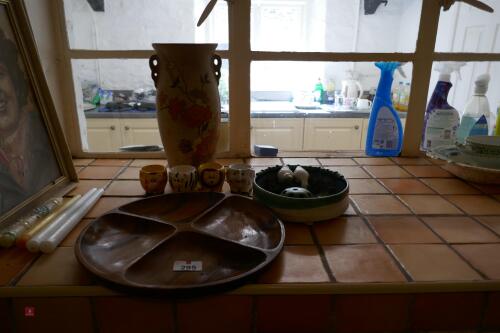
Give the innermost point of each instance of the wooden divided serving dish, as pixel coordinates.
(181, 241)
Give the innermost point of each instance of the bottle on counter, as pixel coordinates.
(319, 92)
(385, 131)
(477, 107)
(441, 120)
(497, 126)
(396, 95)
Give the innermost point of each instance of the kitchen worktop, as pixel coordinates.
(417, 250)
(261, 110)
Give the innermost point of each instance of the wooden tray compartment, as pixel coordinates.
(136, 245)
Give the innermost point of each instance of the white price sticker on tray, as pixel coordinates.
(188, 266)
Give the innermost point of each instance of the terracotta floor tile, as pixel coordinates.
(344, 230)
(110, 162)
(336, 161)
(411, 161)
(365, 186)
(484, 257)
(371, 313)
(211, 314)
(450, 186)
(402, 229)
(350, 171)
(54, 314)
(99, 172)
(295, 264)
(362, 263)
(406, 186)
(290, 314)
(84, 185)
(105, 204)
(476, 204)
(82, 161)
(427, 171)
(450, 312)
(130, 173)
(461, 230)
(131, 188)
(12, 262)
(264, 161)
(386, 171)
(5, 316)
(433, 262)
(491, 221)
(297, 234)
(379, 204)
(491, 319)
(429, 204)
(73, 235)
(301, 161)
(229, 161)
(373, 161)
(149, 314)
(139, 163)
(63, 261)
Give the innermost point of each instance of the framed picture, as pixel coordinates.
(35, 162)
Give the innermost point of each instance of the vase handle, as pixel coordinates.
(217, 64)
(154, 63)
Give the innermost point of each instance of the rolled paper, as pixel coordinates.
(49, 245)
(22, 239)
(33, 245)
(11, 233)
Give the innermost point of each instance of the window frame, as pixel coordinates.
(240, 56)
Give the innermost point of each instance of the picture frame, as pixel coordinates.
(35, 161)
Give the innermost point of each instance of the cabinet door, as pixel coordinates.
(103, 135)
(285, 134)
(140, 132)
(332, 134)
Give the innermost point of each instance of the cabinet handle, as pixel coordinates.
(127, 128)
(356, 127)
(112, 127)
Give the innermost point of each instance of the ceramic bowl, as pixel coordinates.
(330, 192)
(483, 144)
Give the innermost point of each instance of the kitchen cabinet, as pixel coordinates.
(104, 135)
(140, 132)
(285, 134)
(333, 134)
(109, 134)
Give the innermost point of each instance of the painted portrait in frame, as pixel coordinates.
(34, 159)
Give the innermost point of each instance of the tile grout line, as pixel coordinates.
(449, 246)
(24, 270)
(93, 314)
(399, 265)
(322, 255)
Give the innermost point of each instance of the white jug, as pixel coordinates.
(351, 89)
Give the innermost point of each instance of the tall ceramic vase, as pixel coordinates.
(186, 77)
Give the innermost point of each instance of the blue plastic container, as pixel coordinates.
(385, 132)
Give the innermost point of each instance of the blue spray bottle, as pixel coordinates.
(385, 132)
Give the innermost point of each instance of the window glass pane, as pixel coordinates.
(463, 88)
(116, 104)
(464, 28)
(136, 24)
(335, 25)
(317, 106)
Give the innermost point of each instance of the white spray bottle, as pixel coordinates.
(441, 120)
(477, 107)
